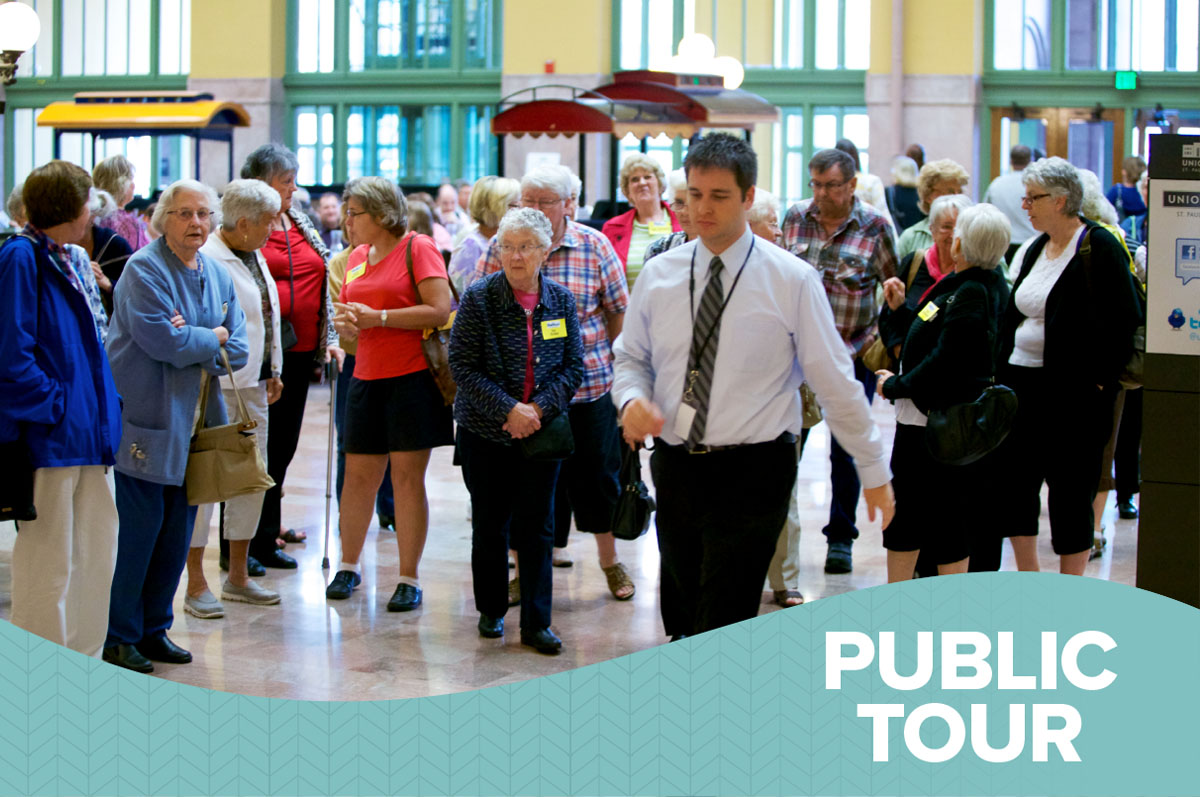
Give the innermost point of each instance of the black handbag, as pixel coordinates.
(631, 518)
(553, 441)
(16, 482)
(964, 433)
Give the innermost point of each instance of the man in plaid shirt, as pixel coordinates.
(583, 260)
(851, 246)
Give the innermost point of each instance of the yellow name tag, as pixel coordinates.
(356, 272)
(928, 312)
(555, 328)
(660, 229)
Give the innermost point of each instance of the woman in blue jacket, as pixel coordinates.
(175, 309)
(57, 398)
(517, 358)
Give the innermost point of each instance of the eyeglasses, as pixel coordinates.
(678, 204)
(830, 186)
(540, 204)
(525, 249)
(353, 214)
(1028, 200)
(187, 214)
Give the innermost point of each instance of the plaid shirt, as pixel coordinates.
(587, 266)
(852, 263)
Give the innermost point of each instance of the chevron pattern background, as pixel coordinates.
(739, 711)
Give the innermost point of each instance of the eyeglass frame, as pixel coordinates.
(187, 214)
(1027, 201)
(525, 250)
(541, 204)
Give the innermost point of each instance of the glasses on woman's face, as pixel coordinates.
(354, 214)
(1029, 199)
(524, 250)
(187, 214)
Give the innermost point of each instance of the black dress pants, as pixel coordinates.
(719, 517)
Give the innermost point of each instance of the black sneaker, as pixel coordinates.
(405, 598)
(1126, 510)
(342, 585)
(838, 559)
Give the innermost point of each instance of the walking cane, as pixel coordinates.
(333, 375)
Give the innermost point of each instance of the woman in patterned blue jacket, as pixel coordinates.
(517, 357)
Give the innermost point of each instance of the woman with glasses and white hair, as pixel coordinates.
(948, 358)
(1066, 336)
(517, 357)
(175, 310)
(677, 190)
(247, 209)
(763, 216)
(396, 286)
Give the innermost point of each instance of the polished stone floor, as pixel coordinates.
(309, 648)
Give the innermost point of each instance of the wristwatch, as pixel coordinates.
(383, 318)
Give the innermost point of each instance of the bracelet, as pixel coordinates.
(383, 318)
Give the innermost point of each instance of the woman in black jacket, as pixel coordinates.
(947, 358)
(1065, 338)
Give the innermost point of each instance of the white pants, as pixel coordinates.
(784, 570)
(63, 562)
(241, 513)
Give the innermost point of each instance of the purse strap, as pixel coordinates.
(408, 261)
(242, 409)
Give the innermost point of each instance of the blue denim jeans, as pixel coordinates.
(845, 486)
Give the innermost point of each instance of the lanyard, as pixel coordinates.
(697, 354)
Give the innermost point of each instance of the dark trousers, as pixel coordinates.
(385, 503)
(1128, 458)
(152, 548)
(587, 483)
(285, 418)
(719, 517)
(512, 506)
(844, 483)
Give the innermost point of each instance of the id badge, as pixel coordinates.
(683, 420)
(928, 312)
(356, 272)
(554, 328)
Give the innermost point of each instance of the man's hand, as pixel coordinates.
(893, 292)
(641, 418)
(522, 421)
(882, 500)
(274, 389)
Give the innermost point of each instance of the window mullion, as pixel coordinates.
(810, 35)
(841, 39)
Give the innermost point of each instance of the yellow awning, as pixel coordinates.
(142, 115)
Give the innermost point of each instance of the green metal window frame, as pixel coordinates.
(1059, 87)
(39, 91)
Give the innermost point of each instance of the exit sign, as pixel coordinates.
(1127, 80)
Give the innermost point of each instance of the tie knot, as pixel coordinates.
(715, 265)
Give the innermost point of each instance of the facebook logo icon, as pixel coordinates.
(1187, 259)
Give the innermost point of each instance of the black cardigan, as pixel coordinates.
(894, 324)
(949, 359)
(1090, 318)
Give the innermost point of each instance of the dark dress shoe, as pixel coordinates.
(491, 627)
(342, 585)
(277, 559)
(129, 657)
(163, 649)
(1126, 510)
(387, 522)
(254, 568)
(405, 598)
(543, 641)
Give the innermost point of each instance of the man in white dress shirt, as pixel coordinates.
(714, 376)
(1007, 192)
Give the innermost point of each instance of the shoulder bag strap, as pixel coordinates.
(408, 261)
(244, 413)
(918, 259)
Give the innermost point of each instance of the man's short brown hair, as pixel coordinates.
(55, 194)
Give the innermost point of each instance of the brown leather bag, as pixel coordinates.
(435, 342)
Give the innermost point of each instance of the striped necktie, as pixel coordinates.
(707, 327)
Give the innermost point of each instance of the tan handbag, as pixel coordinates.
(224, 461)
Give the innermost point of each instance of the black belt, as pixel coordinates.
(786, 437)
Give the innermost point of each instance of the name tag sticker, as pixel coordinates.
(554, 328)
(928, 312)
(660, 229)
(356, 272)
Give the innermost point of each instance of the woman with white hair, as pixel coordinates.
(642, 182)
(175, 310)
(247, 208)
(948, 358)
(513, 383)
(1066, 336)
(677, 189)
(763, 216)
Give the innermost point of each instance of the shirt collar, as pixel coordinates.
(731, 257)
(572, 239)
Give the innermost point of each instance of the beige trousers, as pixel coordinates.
(63, 562)
(784, 570)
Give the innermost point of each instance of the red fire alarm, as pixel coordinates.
(550, 67)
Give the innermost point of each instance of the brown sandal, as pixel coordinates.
(788, 598)
(618, 579)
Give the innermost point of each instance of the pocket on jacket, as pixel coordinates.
(143, 450)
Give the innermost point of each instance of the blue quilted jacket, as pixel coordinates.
(488, 354)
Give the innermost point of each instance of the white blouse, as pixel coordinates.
(1030, 341)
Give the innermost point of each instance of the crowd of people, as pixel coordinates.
(696, 323)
